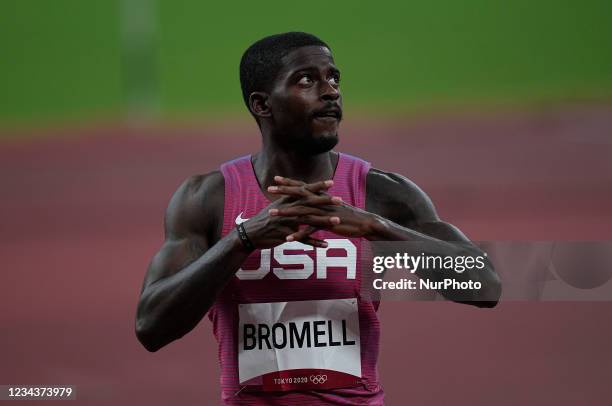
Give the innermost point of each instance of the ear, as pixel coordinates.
(258, 104)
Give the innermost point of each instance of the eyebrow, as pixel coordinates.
(312, 68)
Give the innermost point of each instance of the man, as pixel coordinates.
(269, 245)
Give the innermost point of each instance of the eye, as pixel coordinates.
(305, 80)
(335, 80)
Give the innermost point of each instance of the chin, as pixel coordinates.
(319, 144)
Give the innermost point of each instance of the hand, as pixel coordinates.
(267, 230)
(337, 216)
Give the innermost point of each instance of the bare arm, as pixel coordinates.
(407, 214)
(194, 265)
(398, 211)
(186, 275)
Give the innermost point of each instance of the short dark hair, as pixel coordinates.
(261, 62)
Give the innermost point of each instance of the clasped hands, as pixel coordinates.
(303, 209)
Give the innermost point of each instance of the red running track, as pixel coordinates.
(81, 214)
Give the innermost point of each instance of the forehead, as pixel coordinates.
(308, 56)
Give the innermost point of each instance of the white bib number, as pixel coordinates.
(301, 344)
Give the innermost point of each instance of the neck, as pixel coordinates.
(271, 162)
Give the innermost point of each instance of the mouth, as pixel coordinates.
(328, 115)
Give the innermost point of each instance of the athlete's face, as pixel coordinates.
(305, 101)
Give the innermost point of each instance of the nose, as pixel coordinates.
(329, 92)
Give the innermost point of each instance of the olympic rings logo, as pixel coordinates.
(318, 379)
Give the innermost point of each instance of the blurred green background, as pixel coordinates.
(82, 206)
(67, 60)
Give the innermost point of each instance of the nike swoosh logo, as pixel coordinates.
(239, 219)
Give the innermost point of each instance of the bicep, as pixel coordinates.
(174, 255)
(185, 233)
(441, 230)
(400, 200)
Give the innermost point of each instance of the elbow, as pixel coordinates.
(485, 304)
(488, 294)
(146, 336)
(148, 329)
(489, 297)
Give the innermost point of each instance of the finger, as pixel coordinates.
(314, 242)
(321, 199)
(306, 199)
(303, 234)
(315, 187)
(296, 211)
(288, 181)
(315, 220)
(314, 201)
(324, 199)
(320, 205)
(296, 191)
(304, 237)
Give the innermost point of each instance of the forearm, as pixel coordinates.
(171, 307)
(406, 240)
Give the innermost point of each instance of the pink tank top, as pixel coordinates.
(291, 325)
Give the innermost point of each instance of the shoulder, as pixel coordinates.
(397, 198)
(197, 205)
